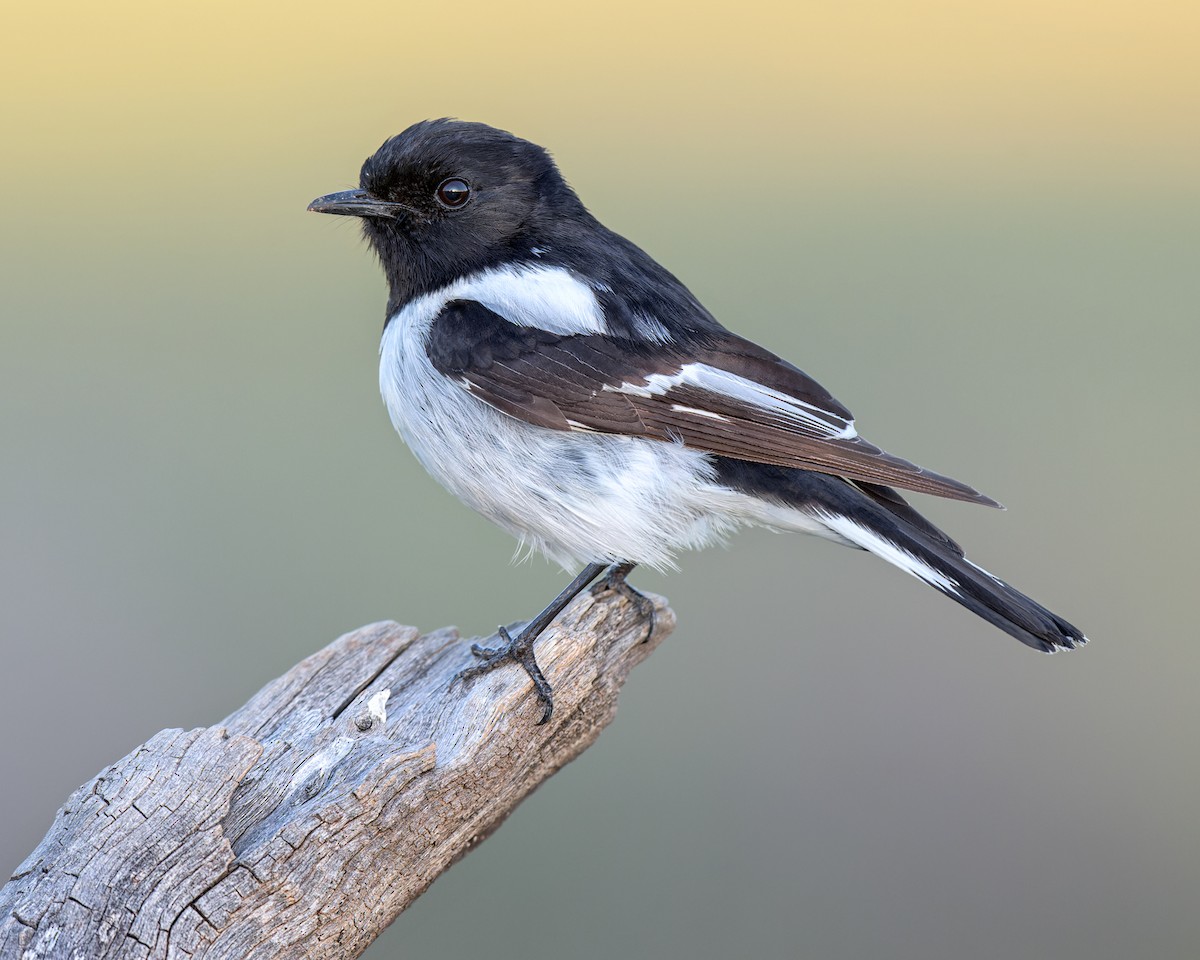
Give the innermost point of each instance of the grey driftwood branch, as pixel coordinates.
(307, 820)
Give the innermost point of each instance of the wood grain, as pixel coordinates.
(306, 821)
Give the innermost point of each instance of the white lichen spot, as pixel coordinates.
(377, 707)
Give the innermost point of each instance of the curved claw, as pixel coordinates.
(517, 650)
(615, 581)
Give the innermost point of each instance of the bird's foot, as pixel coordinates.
(614, 581)
(519, 650)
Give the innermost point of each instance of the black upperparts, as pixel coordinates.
(467, 336)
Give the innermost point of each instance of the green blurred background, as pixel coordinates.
(977, 224)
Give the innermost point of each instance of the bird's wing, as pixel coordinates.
(724, 395)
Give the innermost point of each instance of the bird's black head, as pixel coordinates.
(446, 198)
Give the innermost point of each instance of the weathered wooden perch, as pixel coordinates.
(309, 819)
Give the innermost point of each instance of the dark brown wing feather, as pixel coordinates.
(611, 385)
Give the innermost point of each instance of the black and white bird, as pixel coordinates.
(558, 380)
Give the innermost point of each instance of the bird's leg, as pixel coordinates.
(614, 580)
(519, 649)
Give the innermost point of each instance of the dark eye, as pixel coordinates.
(453, 192)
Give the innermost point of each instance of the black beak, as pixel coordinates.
(357, 203)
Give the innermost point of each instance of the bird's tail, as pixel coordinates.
(879, 520)
(940, 563)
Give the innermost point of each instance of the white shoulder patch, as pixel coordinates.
(532, 295)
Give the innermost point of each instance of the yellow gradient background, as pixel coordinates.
(977, 223)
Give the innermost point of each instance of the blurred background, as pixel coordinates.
(977, 224)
